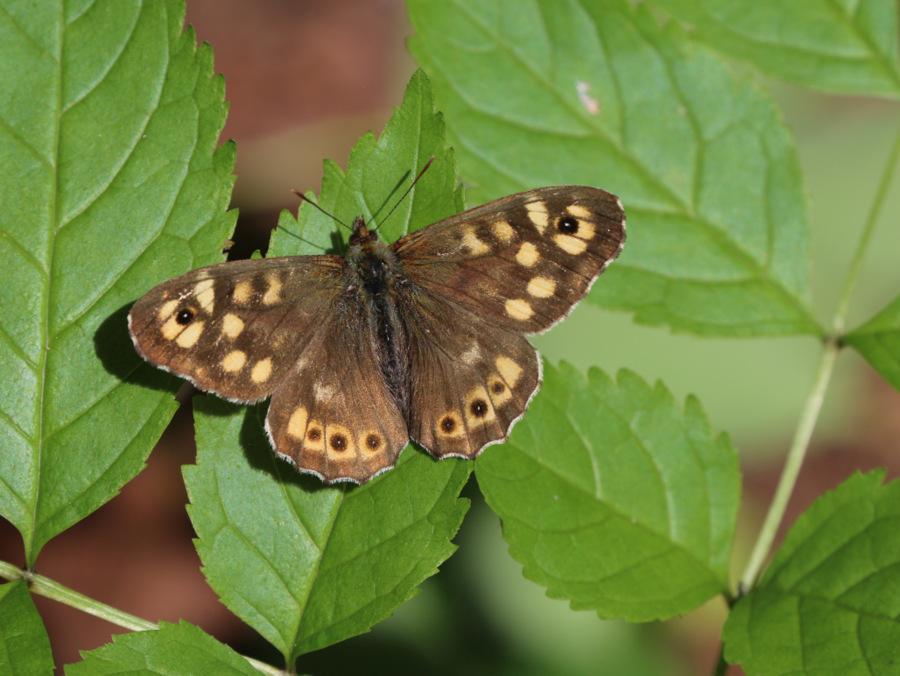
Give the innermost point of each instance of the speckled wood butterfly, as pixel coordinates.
(422, 339)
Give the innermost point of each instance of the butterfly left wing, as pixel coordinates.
(282, 327)
(523, 261)
(333, 414)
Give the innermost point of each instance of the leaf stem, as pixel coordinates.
(51, 589)
(795, 457)
(816, 396)
(887, 177)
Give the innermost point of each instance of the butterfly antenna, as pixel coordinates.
(408, 190)
(330, 215)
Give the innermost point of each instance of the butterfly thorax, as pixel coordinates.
(375, 278)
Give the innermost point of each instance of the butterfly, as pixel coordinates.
(421, 339)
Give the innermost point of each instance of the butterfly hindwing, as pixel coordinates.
(471, 384)
(333, 414)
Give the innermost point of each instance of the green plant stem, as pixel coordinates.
(797, 452)
(887, 177)
(44, 586)
(814, 402)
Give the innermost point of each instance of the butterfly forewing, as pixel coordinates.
(523, 261)
(237, 328)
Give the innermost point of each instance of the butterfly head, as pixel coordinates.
(361, 235)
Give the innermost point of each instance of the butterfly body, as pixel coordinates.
(375, 281)
(420, 339)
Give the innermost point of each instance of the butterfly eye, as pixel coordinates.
(185, 316)
(567, 225)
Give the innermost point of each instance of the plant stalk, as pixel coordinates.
(44, 586)
(840, 315)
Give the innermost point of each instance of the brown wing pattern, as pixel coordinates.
(471, 384)
(521, 262)
(236, 328)
(333, 415)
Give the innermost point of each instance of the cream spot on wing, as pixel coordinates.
(527, 255)
(509, 370)
(537, 212)
(273, 291)
(579, 211)
(190, 336)
(339, 443)
(242, 292)
(450, 425)
(519, 308)
(475, 246)
(234, 361)
(541, 287)
(571, 245)
(479, 409)
(232, 325)
(167, 310)
(586, 230)
(503, 231)
(171, 329)
(205, 294)
(296, 426)
(322, 391)
(261, 371)
(472, 355)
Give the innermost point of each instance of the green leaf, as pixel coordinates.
(174, 649)
(878, 340)
(614, 498)
(108, 126)
(828, 604)
(377, 176)
(24, 645)
(308, 565)
(843, 47)
(549, 92)
(304, 564)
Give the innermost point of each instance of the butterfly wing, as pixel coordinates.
(524, 261)
(511, 267)
(470, 384)
(282, 327)
(236, 328)
(333, 415)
